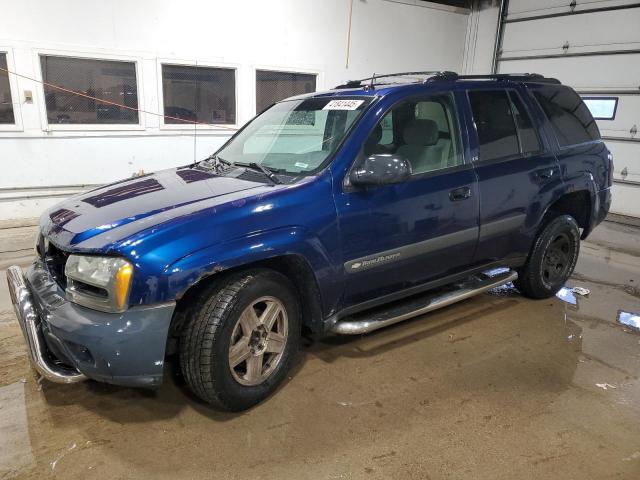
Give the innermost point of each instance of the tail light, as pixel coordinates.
(610, 158)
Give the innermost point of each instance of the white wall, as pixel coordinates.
(301, 35)
(481, 37)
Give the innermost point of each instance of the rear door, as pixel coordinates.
(517, 172)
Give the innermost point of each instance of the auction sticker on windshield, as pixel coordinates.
(343, 104)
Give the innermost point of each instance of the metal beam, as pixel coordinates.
(626, 182)
(497, 47)
(615, 91)
(621, 139)
(573, 12)
(634, 51)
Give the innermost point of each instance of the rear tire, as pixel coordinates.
(241, 340)
(552, 258)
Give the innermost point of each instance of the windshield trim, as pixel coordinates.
(370, 99)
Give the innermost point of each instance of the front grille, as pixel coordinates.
(54, 259)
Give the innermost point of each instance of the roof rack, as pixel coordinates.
(517, 77)
(434, 76)
(372, 80)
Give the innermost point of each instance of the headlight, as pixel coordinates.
(101, 283)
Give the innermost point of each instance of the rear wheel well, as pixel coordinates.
(294, 267)
(576, 204)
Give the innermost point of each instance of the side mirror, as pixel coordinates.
(381, 169)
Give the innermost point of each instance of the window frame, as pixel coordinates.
(16, 102)
(89, 127)
(536, 127)
(591, 97)
(303, 70)
(534, 122)
(177, 62)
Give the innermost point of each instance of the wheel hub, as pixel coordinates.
(258, 340)
(556, 259)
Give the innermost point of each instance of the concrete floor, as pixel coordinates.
(494, 387)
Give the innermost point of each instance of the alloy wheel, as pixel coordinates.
(258, 341)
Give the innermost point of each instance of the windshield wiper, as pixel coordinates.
(217, 161)
(260, 168)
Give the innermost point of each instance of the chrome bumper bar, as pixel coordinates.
(30, 323)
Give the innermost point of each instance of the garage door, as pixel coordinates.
(594, 46)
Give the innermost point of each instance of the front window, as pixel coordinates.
(295, 136)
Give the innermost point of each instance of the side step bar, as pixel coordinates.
(385, 316)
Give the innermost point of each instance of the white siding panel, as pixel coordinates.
(625, 199)
(529, 8)
(625, 157)
(627, 115)
(613, 30)
(601, 71)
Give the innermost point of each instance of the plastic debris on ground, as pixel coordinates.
(581, 291)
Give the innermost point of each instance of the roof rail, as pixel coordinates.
(433, 76)
(372, 80)
(522, 77)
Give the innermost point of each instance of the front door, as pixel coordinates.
(401, 235)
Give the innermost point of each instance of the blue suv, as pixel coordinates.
(342, 211)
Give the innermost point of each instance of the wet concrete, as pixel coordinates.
(494, 387)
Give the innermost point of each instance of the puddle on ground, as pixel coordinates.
(629, 319)
(566, 295)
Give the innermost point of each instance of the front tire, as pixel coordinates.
(240, 343)
(551, 260)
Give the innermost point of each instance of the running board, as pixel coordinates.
(399, 311)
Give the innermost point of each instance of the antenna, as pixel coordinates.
(195, 109)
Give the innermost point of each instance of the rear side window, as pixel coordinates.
(570, 117)
(497, 137)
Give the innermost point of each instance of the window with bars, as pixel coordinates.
(272, 86)
(6, 103)
(198, 94)
(114, 82)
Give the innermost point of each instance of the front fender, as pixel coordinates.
(247, 250)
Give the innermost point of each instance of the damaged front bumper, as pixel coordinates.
(30, 324)
(69, 343)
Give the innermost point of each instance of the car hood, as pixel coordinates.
(110, 213)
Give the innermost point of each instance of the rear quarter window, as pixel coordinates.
(571, 119)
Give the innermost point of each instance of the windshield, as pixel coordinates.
(295, 136)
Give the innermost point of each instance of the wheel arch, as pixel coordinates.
(293, 266)
(578, 204)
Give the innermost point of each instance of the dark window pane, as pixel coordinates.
(271, 87)
(201, 94)
(570, 117)
(496, 131)
(6, 105)
(528, 136)
(112, 81)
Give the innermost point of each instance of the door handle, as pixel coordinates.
(546, 173)
(458, 194)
